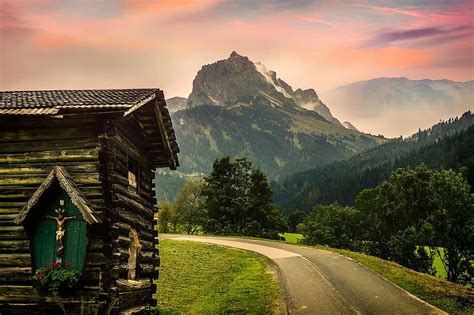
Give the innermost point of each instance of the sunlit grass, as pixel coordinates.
(292, 238)
(198, 278)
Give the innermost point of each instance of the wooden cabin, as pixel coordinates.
(76, 190)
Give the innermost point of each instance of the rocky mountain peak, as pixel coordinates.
(307, 94)
(237, 80)
(233, 54)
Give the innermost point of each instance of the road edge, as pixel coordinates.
(435, 309)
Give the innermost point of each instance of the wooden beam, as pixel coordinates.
(164, 136)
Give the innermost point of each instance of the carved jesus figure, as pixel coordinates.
(60, 229)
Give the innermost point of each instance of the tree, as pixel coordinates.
(189, 206)
(239, 201)
(395, 214)
(294, 218)
(167, 219)
(331, 225)
(420, 208)
(452, 224)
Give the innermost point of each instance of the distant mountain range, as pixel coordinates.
(240, 108)
(395, 106)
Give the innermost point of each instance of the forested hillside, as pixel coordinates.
(448, 144)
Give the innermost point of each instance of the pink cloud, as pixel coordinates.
(166, 7)
(313, 19)
(380, 57)
(461, 14)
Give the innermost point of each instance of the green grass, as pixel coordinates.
(198, 278)
(292, 238)
(440, 270)
(448, 296)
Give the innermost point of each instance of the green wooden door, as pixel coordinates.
(75, 243)
(44, 243)
(44, 236)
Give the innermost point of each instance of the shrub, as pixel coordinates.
(56, 279)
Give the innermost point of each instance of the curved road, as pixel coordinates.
(320, 282)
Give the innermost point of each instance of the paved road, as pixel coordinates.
(320, 282)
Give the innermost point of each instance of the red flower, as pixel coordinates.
(47, 268)
(68, 265)
(39, 276)
(57, 264)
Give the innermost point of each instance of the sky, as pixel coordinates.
(79, 44)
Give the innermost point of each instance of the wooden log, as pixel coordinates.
(41, 145)
(45, 169)
(125, 285)
(137, 297)
(23, 293)
(82, 178)
(51, 156)
(79, 122)
(12, 275)
(131, 205)
(96, 259)
(96, 243)
(123, 181)
(132, 195)
(9, 210)
(5, 195)
(133, 141)
(127, 216)
(92, 191)
(45, 134)
(15, 259)
(11, 204)
(7, 216)
(15, 246)
(12, 232)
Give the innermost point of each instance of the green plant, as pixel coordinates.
(56, 278)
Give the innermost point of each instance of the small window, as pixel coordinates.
(133, 175)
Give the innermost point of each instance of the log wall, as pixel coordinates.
(29, 148)
(130, 208)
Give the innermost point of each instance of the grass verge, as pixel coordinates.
(198, 278)
(292, 238)
(450, 297)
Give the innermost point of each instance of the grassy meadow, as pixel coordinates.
(198, 278)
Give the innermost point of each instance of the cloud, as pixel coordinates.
(377, 57)
(414, 34)
(167, 7)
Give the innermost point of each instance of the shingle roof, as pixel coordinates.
(75, 98)
(59, 103)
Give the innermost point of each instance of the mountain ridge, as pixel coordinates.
(398, 105)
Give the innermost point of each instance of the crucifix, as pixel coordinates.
(60, 229)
